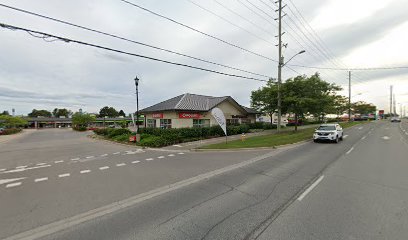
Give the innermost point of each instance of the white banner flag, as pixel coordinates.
(133, 120)
(220, 118)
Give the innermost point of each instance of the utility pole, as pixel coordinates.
(349, 98)
(391, 101)
(395, 108)
(137, 104)
(280, 64)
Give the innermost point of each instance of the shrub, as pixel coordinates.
(122, 137)
(10, 131)
(152, 141)
(101, 131)
(257, 125)
(268, 126)
(80, 128)
(115, 132)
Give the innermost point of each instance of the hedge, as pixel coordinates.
(9, 131)
(80, 128)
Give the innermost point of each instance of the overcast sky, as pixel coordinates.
(45, 75)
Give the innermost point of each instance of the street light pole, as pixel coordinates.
(349, 100)
(280, 65)
(137, 104)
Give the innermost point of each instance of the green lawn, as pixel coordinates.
(272, 140)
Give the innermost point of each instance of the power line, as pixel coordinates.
(128, 40)
(68, 40)
(198, 31)
(351, 69)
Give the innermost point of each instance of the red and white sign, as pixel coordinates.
(157, 115)
(189, 115)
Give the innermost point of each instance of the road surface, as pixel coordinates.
(99, 190)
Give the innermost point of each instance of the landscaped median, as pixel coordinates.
(272, 140)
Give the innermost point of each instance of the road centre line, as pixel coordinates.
(309, 189)
(4, 181)
(19, 167)
(64, 175)
(116, 153)
(3, 169)
(41, 179)
(40, 164)
(180, 153)
(171, 155)
(160, 157)
(13, 184)
(25, 169)
(120, 164)
(349, 151)
(104, 168)
(75, 159)
(104, 155)
(136, 162)
(90, 157)
(364, 137)
(85, 171)
(60, 161)
(149, 159)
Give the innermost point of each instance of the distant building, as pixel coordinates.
(192, 110)
(62, 122)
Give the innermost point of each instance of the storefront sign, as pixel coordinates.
(157, 115)
(190, 115)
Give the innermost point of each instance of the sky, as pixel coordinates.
(39, 74)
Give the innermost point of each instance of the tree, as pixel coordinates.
(311, 95)
(5, 113)
(39, 113)
(108, 112)
(62, 112)
(362, 107)
(12, 122)
(341, 105)
(265, 99)
(122, 113)
(82, 119)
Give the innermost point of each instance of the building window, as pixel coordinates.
(151, 123)
(245, 120)
(234, 121)
(165, 123)
(201, 123)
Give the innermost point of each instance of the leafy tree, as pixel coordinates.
(362, 107)
(61, 112)
(82, 119)
(10, 122)
(40, 113)
(122, 113)
(265, 99)
(108, 112)
(5, 113)
(341, 105)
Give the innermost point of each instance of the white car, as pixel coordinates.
(328, 132)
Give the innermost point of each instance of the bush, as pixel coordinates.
(10, 131)
(116, 132)
(152, 141)
(80, 128)
(101, 131)
(257, 125)
(268, 126)
(122, 137)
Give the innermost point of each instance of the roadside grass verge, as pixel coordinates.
(272, 140)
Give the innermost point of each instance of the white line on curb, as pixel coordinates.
(41, 179)
(85, 171)
(300, 198)
(13, 184)
(64, 175)
(349, 151)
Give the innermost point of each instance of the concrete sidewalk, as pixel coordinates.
(192, 145)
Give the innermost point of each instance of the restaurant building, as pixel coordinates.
(192, 110)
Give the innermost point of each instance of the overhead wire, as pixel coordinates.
(128, 40)
(68, 40)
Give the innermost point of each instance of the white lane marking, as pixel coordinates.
(104, 155)
(64, 175)
(136, 162)
(85, 171)
(116, 153)
(21, 167)
(3, 169)
(104, 168)
(60, 161)
(90, 157)
(160, 157)
(149, 159)
(177, 146)
(171, 155)
(181, 153)
(360, 128)
(345, 136)
(25, 169)
(120, 164)
(75, 159)
(349, 151)
(41, 179)
(363, 138)
(300, 198)
(13, 184)
(386, 138)
(40, 164)
(3, 181)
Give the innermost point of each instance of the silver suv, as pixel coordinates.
(328, 132)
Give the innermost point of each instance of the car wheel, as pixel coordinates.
(341, 138)
(337, 139)
(314, 140)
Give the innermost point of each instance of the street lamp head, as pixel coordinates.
(136, 81)
(303, 51)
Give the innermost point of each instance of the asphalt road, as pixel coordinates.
(205, 195)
